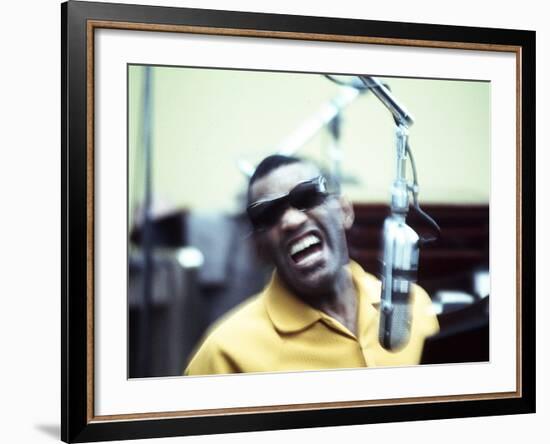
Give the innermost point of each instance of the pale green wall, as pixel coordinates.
(206, 119)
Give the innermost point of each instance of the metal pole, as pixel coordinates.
(147, 235)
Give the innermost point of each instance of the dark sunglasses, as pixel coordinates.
(306, 195)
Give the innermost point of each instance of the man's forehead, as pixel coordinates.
(282, 179)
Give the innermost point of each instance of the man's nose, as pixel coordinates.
(292, 219)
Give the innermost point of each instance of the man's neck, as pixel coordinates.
(340, 302)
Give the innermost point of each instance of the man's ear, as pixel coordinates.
(347, 212)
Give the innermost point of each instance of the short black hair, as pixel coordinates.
(269, 164)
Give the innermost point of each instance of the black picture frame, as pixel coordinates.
(79, 19)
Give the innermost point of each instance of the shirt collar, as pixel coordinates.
(287, 312)
(290, 314)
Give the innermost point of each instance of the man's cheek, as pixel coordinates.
(263, 248)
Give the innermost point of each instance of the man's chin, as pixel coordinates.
(310, 282)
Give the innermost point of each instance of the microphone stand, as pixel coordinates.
(401, 242)
(334, 151)
(313, 124)
(329, 115)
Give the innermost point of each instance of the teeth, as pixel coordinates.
(304, 243)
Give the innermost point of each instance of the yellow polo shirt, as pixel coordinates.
(275, 331)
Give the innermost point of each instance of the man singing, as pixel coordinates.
(320, 310)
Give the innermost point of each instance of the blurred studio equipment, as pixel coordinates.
(186, 268)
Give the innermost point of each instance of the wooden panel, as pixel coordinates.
(449, 262)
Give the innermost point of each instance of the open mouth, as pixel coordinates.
(305, 249)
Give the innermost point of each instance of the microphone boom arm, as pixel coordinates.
(400, 114)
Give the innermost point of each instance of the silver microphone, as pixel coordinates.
(400, 259)
(399, 271)
(401, 242)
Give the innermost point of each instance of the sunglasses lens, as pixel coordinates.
(266, 214)
(306, 196)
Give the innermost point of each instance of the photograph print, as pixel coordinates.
(290, 221)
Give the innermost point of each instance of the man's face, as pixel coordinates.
(308, 247)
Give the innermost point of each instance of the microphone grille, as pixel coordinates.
(395, 326)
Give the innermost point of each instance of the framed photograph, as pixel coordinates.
(274, 221)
